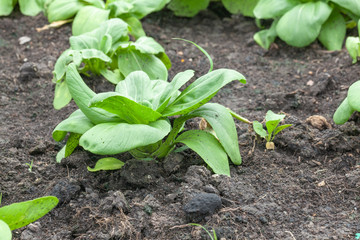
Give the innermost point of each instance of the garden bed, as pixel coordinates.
(308, 188)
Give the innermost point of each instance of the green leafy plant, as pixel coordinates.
(272, 121)
(353, 45)
(212, 236)
(27, 7)
(107, 51)
(300, 22)
(349, 105)
(135, 118)
(20, 214)
(89, 14)
(189, 8)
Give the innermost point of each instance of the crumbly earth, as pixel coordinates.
(307, 188)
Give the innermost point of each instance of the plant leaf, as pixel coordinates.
(302, 24)
(266, 37)
(353, 47)
(133, 60)
(209, 149)
(272, 120)
(187, 8)
(72, 143)
(7, 7)
(5, 231)
(136, 29)
(30, 7)
(201, 91)
(127, 109)
(343, 112)
(112, 76)
(144, 7)
(20, 214)
(63, 9)
(280, 128)
(223, 124)
(351, 5)
(333, 31)
(258, 128)
(108, 163)
(148, 45)
(244, 7)
(354, 96)
(267, 9)
(62, 96)
(77, 122)
(82, 95)
(89, 18)
(114, 138)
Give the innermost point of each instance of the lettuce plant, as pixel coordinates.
(272, 121)
(349, 105)
(20, 214)
(189, 8)
(27, 7)
(353, 46)
(89, 14)
(300, 22)
(107, 51)
(135, 118)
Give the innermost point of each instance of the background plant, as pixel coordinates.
(300, 22)
(20, 214)
(349, 105)
(272, 121)
(353, 45)
(89, 14)
(107, 51)
(27, 7)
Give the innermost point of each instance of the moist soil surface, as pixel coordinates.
(307, 188)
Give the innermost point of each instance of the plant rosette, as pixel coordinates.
(349, 105)
(135, 118)
(107, 51)
(272, 121)
(300, 22)
(89, 14)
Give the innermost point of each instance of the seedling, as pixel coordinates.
(212, 236)
(299, 23)
(30, 165)
(135, 118)
(349, 105)
(20, 214)
(272, 121)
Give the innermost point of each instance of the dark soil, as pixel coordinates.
(308, 188)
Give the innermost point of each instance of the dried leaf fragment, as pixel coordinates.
(54, 25)
(318, 122)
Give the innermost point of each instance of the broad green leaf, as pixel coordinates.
(61, 65)
(351, 5)
(145, 7)
(20, 214)
(280, 128)
(136, 29)
(333, 31)
(208, 148)
(258, 128)
(244, 7)
(118, 8)
(7, 7)
(187, 8)
(201, 91)
(343, 112)
(133, 60)
(112, 76)
(72, 143)
(353, 46)
(223, 124)
(77, 122)
(302, 24)
(61, 154)
(148, 45)
(272, 120)
(127, 109)
(268, 9)
(354, 96)
(62, 96)
(114, 138)
(93, 53)
(5, 231)
(89, 18)
(108, 163)
(96, 3)
(82, 95)
(266, 37)
(165, 59)
(30, 7)
(63, 9)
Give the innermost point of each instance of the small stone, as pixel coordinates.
(24, 39)
(202, 205)
(64, 190)
(28, 71)
(263, 220)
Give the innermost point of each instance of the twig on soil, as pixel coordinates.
(292, 235)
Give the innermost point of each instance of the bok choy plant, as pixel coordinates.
(349, 105)
(20, 214)
(300, 22)
(353, 45)
(135, 118)
(107, 51)
(89, 14)
(27, 7)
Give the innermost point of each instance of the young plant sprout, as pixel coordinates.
(272, 121)
(349, 105)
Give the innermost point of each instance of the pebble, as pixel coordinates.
(202, 205)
